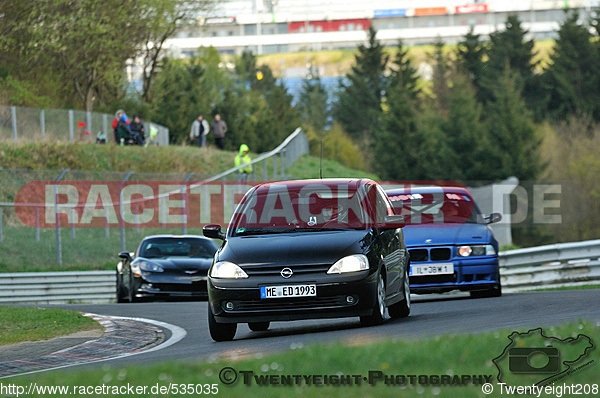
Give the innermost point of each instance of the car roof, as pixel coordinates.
(163, 236)
(428, 189)
(353, 183)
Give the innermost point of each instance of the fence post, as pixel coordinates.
(71, 126)
(88, 120)
(275, 167)
(106, 230)
(121, 222)
(281, 155)
(73, 224)
(185, 213)
(265, 176)
(43, 123)
(0, 224)
(37, 224)
(105, 126)
(57, 219)
(13, 114)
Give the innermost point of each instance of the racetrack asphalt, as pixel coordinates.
(429, 317)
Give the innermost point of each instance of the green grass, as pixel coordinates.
(19, 324)
(462, 354)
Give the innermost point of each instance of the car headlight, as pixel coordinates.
(356, 262)
(150, 267)
(225, 269)
(476, 250)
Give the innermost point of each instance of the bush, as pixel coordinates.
(336, 146)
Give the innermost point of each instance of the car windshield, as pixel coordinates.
(178, 247)
(282, 209)
(436, 208)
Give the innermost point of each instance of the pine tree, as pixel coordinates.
(441, 76)
(403, 72)
(514, 145)
(574, 75)
(469, 60)
(359, 104)
(313, 103)
(509, 49)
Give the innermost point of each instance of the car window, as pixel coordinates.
(436, 208)
(178, 247)
(280, 209)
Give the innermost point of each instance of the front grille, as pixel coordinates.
(430, 254)
(269, 270)
(291, 304)
(418, 255)
(439, 254)
(180, 287)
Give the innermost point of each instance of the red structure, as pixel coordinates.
(341, 25)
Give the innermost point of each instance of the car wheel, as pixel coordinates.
(220, 331)
(121, 296)
(259, 326)
(132, 291)
(402, 309)
(495, 291)
(378, 315)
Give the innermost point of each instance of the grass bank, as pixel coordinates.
(19, 324)
(449, 355)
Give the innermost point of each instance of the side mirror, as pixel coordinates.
(125, 256)
(213, 231)
(494, 217)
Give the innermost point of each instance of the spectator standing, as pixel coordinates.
(137, 131)
(199, 130)
(242, 158)
(219, 129)
(123, 132)
(115, 123)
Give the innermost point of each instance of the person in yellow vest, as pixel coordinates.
(241, 159)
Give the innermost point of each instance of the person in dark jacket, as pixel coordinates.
(138, 134)
(219, 128)
(123, 131)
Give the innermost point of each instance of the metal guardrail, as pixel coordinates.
(57, 287)
(560, 265)
(294, 146)
(551, 266)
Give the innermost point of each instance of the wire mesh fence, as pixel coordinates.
(34, 124)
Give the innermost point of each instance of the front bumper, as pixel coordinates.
(330, 302)
(479, 273)
(165, 285)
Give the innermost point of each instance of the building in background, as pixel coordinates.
(272, 26)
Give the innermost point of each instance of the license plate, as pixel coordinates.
(432, 269)
(288, 291)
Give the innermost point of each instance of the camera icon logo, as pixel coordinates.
(535, 360)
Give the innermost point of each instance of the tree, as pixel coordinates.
(359, 104)
(313, 102)
(441, 76)
(574, 75)
(469, 60)
(512, 132)
(509, 49)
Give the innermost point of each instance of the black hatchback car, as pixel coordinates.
(308, 249)
(165, 266)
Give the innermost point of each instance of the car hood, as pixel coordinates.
(295, 248)
(446, 234)
(185, 264)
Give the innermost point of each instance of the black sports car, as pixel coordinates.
(165, 265)
(308, 249)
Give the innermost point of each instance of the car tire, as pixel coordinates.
(259, 326)
(132, 291)
(220, 331)
(495, 291)
(378, 315)
(121, 296)
(402, 308)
